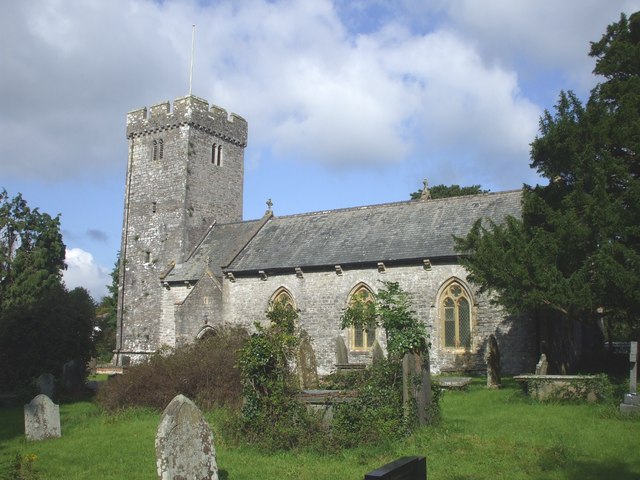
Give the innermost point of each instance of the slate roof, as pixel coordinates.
(402, 231)
(217, 248)
(389, 232)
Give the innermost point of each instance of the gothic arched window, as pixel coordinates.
(455, 312)
(362, 337)
(283, 297)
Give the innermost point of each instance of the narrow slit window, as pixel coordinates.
(147, 257)
(160, 149)
(154, 207)
(219, 164)
(214, 153)
(155, 150)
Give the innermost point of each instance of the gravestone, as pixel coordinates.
(342, 354)
(416, 385)
(184, 443)
(46, 384)
(377, 355)
(542, 366)
(631, 403)
(72, 376)
(307, 365)
(492, 358)
(41, 419)
(405, 468)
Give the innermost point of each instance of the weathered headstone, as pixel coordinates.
(184, 443)
(41, 419)
(46, 384)
(377, 355)
(542, 366)
(416, 385)
(72, 376)
(492, 358)
(342, 354)
(631, 403)
(307, 365)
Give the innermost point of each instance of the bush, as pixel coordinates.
(204, 371)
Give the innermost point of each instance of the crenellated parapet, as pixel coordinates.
(191, 111)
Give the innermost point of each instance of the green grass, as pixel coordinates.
(484, 435)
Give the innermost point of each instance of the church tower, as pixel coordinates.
(185, 171)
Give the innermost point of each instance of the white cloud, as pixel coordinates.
(83, 271)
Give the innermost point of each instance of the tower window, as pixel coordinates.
(154, 207)
(147, 257)
(155, 150)
(216, 155)
(160, 149)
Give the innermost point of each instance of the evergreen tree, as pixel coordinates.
(575, 253)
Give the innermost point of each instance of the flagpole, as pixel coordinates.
(193, 39)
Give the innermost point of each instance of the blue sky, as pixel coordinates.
(348, 102)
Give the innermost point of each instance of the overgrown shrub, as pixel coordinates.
(204, 371)
(272, 417)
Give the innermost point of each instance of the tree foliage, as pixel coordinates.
(106, 318)
(446, 191)
(576, 249)
(42, 325)
(392, 312)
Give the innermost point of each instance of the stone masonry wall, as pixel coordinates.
(322, 296)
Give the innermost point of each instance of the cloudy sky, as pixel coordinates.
(348, 102)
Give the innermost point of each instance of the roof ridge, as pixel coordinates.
(398, 203)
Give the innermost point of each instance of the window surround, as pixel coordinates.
(361, 339)
(456, 315)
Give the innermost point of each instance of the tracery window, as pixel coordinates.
(362, 337)
(282, 296)
(455, 312)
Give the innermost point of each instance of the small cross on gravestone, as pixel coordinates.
(184, 443)
(41, 419)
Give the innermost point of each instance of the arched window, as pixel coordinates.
(160, 149)
(282, 296)
(362, 337)
(455, 312)
(216, 154)
(155, 150)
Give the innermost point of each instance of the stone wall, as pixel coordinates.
(321, 297)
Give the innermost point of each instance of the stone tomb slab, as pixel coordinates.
(453, 383)
(41, 419)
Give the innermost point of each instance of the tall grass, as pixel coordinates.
(485, 434)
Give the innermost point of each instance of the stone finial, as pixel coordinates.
(426, 194)
(184, 443)
(269, 206)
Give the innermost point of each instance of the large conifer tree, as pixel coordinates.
(575, 253)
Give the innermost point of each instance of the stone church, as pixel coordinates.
(191, 264)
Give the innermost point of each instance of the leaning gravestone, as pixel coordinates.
(41, 419)
(72, 376)
(377, 354)
(184, 443)
(342, 354)
(46, 384)
(492, 358)
(307, 365)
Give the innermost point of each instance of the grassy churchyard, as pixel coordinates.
(484, 434)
